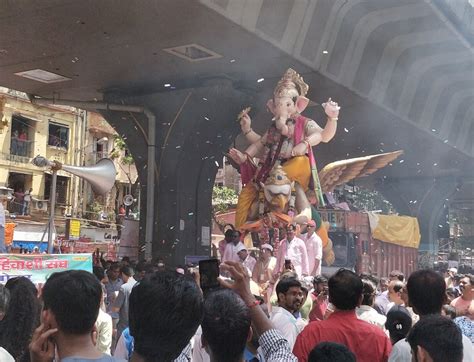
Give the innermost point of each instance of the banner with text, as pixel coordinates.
(37, 267)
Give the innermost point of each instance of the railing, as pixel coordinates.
(19, 147)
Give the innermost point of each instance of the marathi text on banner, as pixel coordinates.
(38, 267)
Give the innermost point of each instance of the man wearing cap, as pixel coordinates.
(247, 260)
(293, 250)
(314, 248)
(262, 273)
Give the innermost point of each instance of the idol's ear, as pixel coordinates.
(301, 103)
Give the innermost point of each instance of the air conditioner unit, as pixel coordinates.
(39, 205)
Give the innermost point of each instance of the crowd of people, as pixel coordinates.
(147, 312)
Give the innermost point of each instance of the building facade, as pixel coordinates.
(65, 134)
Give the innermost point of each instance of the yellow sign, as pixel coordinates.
(75, 229)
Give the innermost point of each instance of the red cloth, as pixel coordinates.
(319, 309)
(368, 342)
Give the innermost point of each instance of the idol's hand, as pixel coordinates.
(331, 108)
(237, 156)
(300, 149)
(245, 123)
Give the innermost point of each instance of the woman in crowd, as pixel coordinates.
(21, 318)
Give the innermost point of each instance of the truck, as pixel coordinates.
(355, 248)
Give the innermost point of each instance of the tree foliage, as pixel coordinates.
(223, 198)
(120, 147)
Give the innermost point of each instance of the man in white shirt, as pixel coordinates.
(247, 260)
(427, 294)
(230, 252)
(292, 249)
(290, 300)
(365, 311)
(314, 248)
(395, 290)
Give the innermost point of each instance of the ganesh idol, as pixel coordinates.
(287, 143)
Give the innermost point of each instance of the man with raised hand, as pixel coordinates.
(274, 346)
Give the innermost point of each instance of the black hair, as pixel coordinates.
(99, 272)
(165, 310)
(114, 266)
(141, 266)
(126, 259)
(370, 277)
(345, 289)
(398, 323)
(285, 284)
(397, 286)
(453, 292)
(4, 299)
(368, 292)
(21, 318)
(439, 336)
(449, 311)
(291, 226)
(127, 270)
(471, 278)
(426, 291)
(331, 352)
(229, 233)
(226, 325)
(74, 297)
(320, 279)
(397, 274)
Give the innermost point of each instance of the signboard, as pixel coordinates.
(74, 229)
(335, 219)
(100, 234)
(37, 267)
(129, 239)
(205, 236)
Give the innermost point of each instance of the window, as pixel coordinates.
(58, 135)
(61, 188)
(21, 142)
(343, 247)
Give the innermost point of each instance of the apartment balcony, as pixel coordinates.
(20, 151)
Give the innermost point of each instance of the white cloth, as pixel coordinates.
(370, 315)
(249, 263)
(199, 352)
(314, 248)
(230, 253)
(5, 356)
(287, 324)
(401, 351)
(294, 250)
(121, 350)
(104, 328)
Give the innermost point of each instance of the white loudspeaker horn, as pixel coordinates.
(101, 176)
(128, 200)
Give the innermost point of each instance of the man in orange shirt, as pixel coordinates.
(368, 342)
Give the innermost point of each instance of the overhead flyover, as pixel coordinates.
(402, 71)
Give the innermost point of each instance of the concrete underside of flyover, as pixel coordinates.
(194, 129)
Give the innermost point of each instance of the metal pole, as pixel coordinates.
(51, 227)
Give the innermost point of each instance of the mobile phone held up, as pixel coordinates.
(208, 274)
